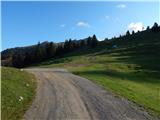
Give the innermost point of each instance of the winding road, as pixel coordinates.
(64, 96)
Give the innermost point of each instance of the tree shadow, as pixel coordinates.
(145, 56)
(135, 76)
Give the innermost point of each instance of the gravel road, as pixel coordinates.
(64, 96)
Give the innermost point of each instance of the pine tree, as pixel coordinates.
(106, 39)
(66, 46)
(82, 43)
(155, 27)
(127, 33)
(50, 49)
(89, 40)
(59, 50)
(147, 28)
(38, 53)
(94, 41)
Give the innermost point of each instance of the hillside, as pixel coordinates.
(140, 48)
(24, 56)
(18, 90)
(129, 66)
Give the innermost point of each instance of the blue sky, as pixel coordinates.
(26, 23)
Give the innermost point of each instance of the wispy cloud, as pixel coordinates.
(121, 6)
(136, 26)
(107, 17)
(83, 24)
(63, 25)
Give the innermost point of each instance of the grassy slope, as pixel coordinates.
(132, 70)
(16, 83)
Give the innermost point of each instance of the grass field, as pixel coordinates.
(132, 72)
(18, 90)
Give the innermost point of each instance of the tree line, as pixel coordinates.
(154, 28)
(41, 52)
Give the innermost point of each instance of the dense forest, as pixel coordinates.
(24, 56)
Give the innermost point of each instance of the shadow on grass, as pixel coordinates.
(137, 76)
(52, 61)
(145, 56)
(86, 51)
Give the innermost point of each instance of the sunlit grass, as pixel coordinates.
(18, 90)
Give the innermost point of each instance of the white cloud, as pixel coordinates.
(136, 26)
(100, 39)
(83, 24)
(107, 17)
(63, 25)
(121, 6)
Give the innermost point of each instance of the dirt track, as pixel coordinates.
(64, 96)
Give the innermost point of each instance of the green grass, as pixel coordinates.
(132, 70)
(140, 87)
(127, 75)
(16, 83)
